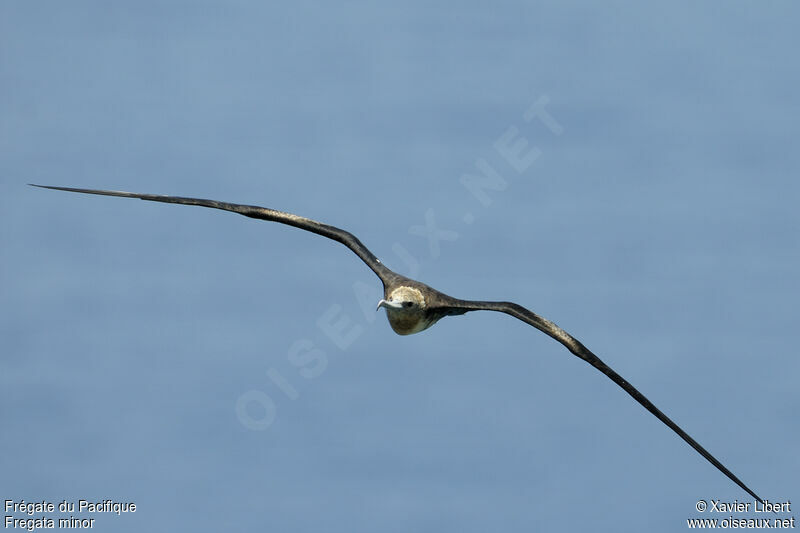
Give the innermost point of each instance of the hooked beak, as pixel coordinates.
(387, 304)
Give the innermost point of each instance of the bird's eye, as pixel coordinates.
(407, 304)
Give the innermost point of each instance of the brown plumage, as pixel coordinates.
(412, 306)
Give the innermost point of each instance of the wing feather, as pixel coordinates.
(578, 349)
(261, 213)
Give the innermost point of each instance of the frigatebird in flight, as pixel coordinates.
(412, 306)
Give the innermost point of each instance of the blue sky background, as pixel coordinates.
(660, 227)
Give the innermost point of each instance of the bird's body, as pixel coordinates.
(412, 306)
(406, 310)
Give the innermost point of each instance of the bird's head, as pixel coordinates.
(405, 309)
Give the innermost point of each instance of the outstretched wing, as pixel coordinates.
(574, 346)
(262, 213)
